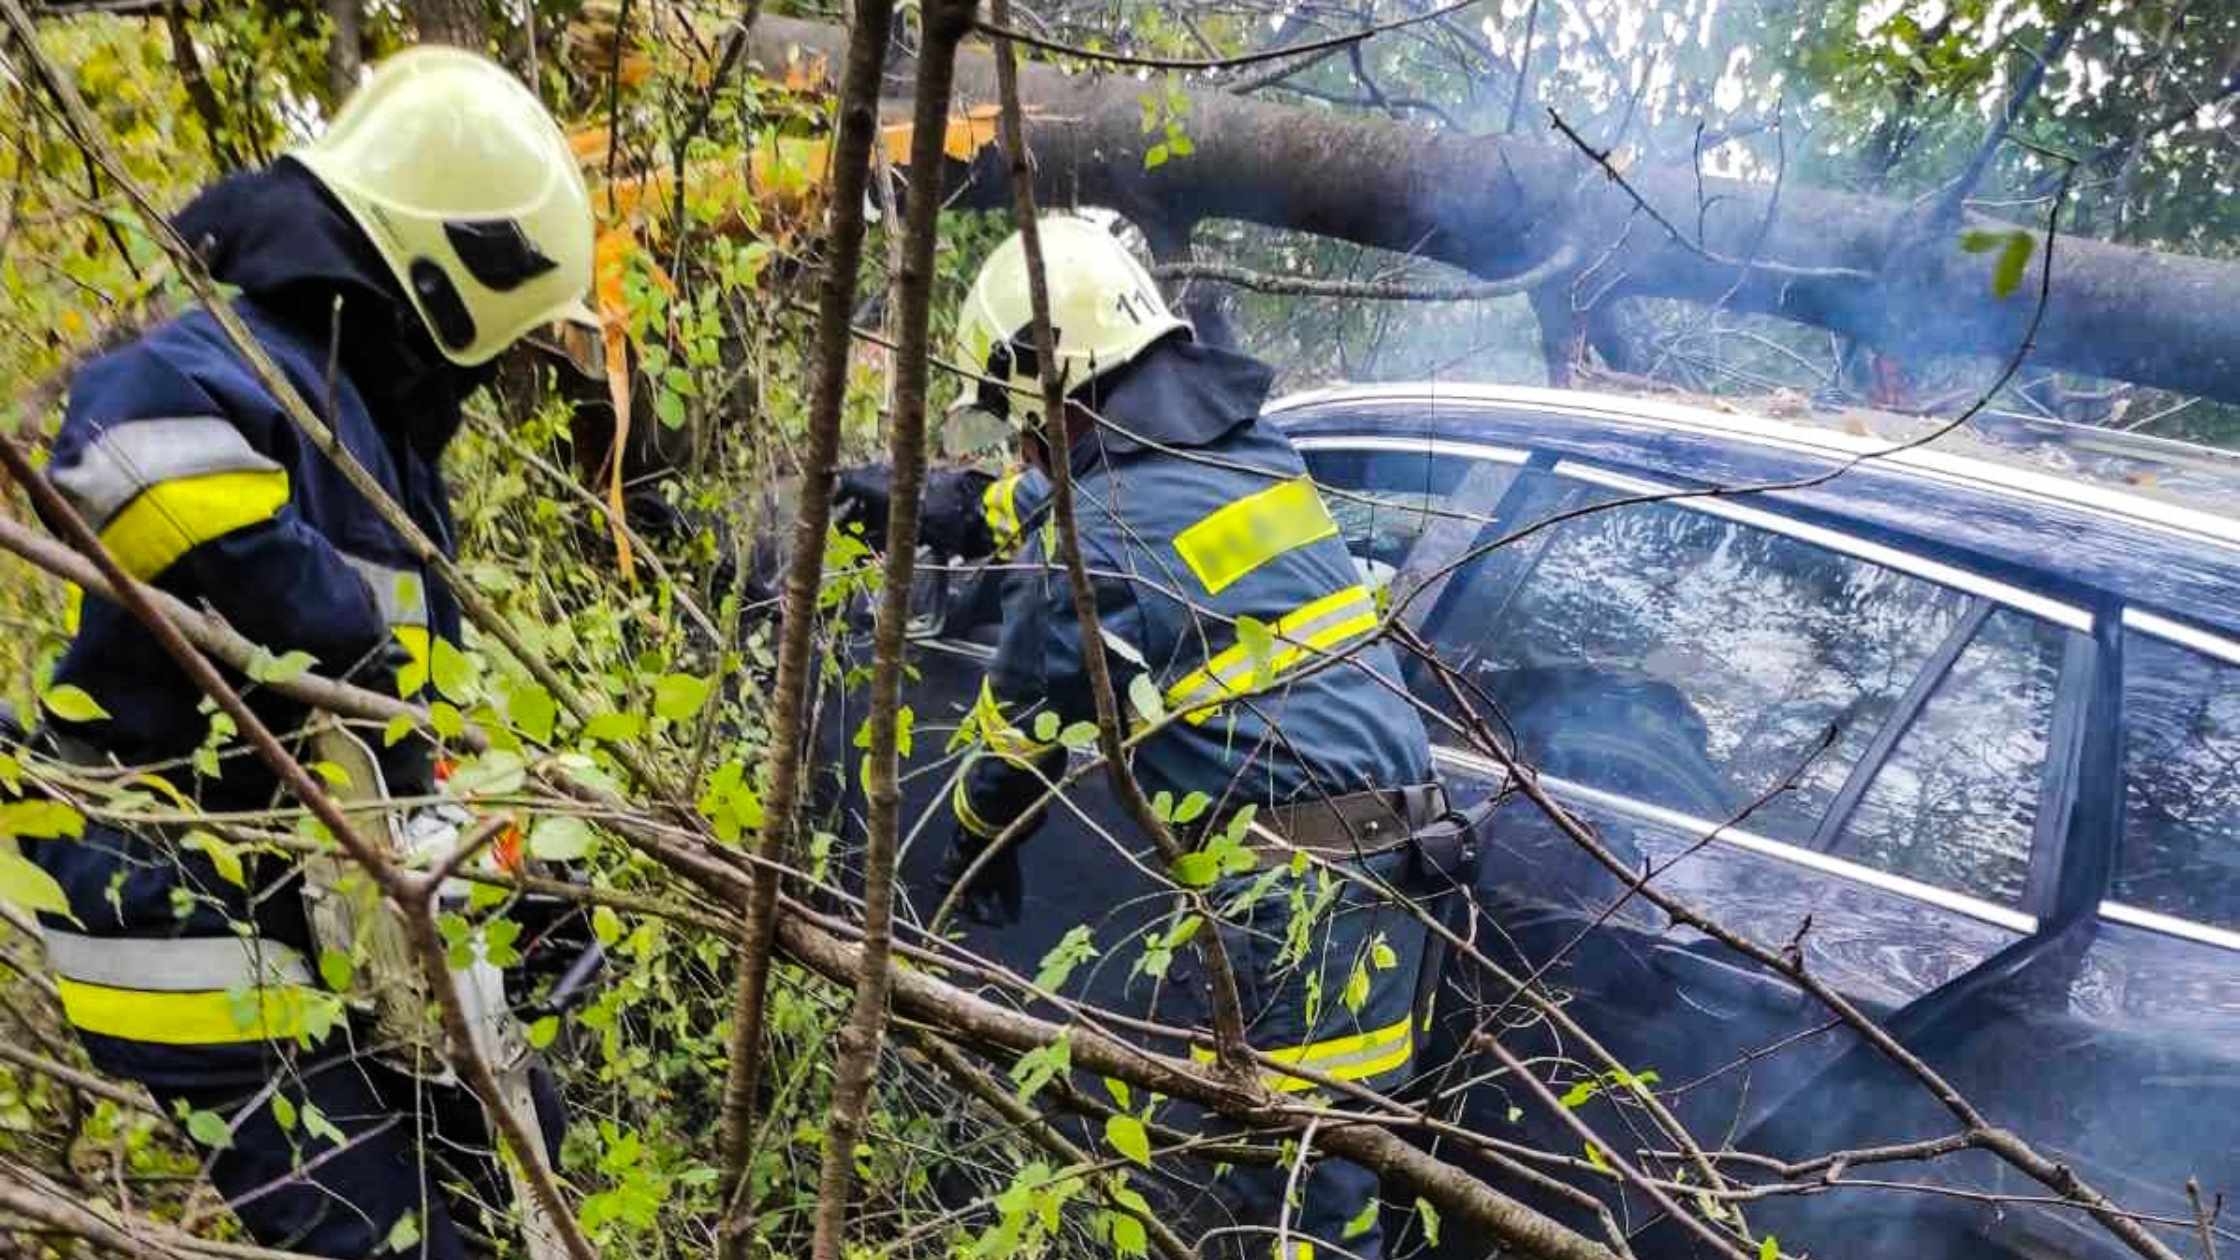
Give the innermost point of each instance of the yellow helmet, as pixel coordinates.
(1104, 312)
(467, 188)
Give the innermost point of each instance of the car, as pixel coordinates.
(1956, 721)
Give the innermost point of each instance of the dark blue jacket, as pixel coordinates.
(1197, 519)
(198, 482)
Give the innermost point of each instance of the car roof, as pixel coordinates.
(2072, 508)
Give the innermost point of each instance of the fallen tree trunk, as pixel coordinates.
(1499, 205)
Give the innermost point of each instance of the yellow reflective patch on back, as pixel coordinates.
(171, 518)
(1233, 540)
(203, 1018)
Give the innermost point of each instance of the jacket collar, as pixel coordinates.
(1181, 394)
(283, 241)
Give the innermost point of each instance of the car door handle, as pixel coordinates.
(1726, 984)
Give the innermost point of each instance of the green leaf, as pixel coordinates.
(41, 820)
(1769, 1248)
(531, 708)
(1197, 870)
(446, 719)
(71, 703)
(611, 728)
(606, 925)
(1037, 1067)
(267, 668)
(335, 969)
(668, 408)
(494, 773)
(679, 696)
(2014, 259)
(1126, 1135)
(1364, 1219)
(1155, 157)
(1128, 1237)
(1602, 1165)
(1192, 808)
(1259, 643)
(543, 1031)
(1119, 1091)
(224, 858)
(284, 1112)
(498, 937)
(405, 1234)
(1981, 240)
(1143, 696)
(395, 729)
(560, 838)
(1077, 946)
(210, 1129)
(1381, 954)
(29, 886)
(1079, 735)
(316, 1124)
(1046, 726)
(1179, 144)
(1429, 1215)
(454, 673)
(1356, 994)
(1580, 1092)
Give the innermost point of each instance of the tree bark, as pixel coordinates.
(836, 298)
(857, 1060)
(1495, 205)
(459, 22)
(345, 47)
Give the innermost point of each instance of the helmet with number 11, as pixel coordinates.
(1105, 311)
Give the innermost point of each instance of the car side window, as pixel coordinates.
(2181, 783)
(1956, 802)
(1692, 661)
(1383, 501)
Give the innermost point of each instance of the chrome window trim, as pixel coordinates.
(1414, 446)
(2170, 924)
(2185, 636)
(1944, 898)
(1938, 465)
(2040, 606)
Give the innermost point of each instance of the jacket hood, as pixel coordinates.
(1182, 393)
(279, 237)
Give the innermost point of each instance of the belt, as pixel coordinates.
(1358, 824)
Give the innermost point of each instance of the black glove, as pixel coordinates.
(993, 897)
(953, 521)
(862, 495)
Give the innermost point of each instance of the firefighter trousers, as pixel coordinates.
(416, 1161)
(1327, 968)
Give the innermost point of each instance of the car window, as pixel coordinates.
(1384, 500)
(1691, 661)
(2181, 783)
(1956, 802)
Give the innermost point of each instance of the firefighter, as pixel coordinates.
(1194, 514)
(438, 219)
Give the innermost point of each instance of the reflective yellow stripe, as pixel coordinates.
(1003, 739)
(1355, 1057)
(1327, 623)
(960, 801)
(1232, 541)
(204, 1018)
(171, 518)
(999, 504)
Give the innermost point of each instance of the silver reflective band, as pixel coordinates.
(399, 593)
(190, 964)
(129, 457)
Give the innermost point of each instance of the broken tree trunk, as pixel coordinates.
(1497, 205)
